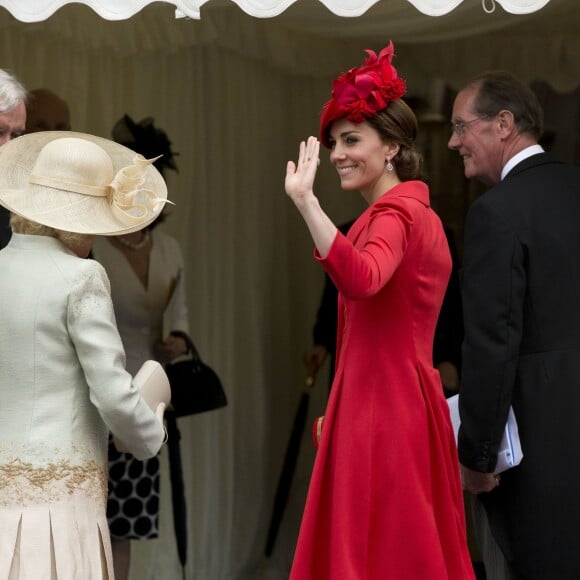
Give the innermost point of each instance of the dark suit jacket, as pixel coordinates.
(449, 330)
(521, 303)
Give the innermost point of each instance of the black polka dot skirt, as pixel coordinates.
(133, 500)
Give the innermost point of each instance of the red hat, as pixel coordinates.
(362, 92)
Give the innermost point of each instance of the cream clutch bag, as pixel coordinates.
(154, 386)
(155, 390)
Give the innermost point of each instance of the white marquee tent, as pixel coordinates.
(236, 93)
(36, 10)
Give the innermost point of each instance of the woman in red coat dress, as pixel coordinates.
(385, 499)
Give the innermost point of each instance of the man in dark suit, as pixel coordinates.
(521, 304)
(12, 123)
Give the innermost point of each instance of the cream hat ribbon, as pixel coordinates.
(130, 203)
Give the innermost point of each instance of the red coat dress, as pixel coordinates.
(385, 499)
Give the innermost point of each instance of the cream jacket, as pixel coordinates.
(63, 383)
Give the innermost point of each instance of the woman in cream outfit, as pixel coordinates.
(63, 384)
(145, 317)
(148, 291)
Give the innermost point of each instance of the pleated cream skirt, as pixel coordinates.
(66, 540)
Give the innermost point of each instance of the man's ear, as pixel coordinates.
(506, 122)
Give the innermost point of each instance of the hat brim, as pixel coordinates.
(63, 210)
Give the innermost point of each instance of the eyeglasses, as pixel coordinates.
(460, 127)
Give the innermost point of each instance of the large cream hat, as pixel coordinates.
(80, 183)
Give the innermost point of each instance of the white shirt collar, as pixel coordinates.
(518, 157)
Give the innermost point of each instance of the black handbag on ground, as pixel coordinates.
(195, 386)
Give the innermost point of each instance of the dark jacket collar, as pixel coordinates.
(533, 161)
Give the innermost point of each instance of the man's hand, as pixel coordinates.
(476, 482)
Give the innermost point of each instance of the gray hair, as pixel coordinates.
(12, 92)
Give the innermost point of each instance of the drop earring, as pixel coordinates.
(389, 165)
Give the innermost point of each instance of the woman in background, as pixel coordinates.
(63, 384)
(148, 291)
(385, 497)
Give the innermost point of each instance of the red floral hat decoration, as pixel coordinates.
(362, 92)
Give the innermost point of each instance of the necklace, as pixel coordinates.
(135, 246)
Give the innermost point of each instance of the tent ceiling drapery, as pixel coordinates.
(134, 26)
(383, 19)
(313, 41)
(38, 10)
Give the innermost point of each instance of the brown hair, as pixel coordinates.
(398, 124)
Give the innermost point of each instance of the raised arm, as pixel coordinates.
(299, 187)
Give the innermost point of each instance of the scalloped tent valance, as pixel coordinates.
(39, 10)
(309, 39)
